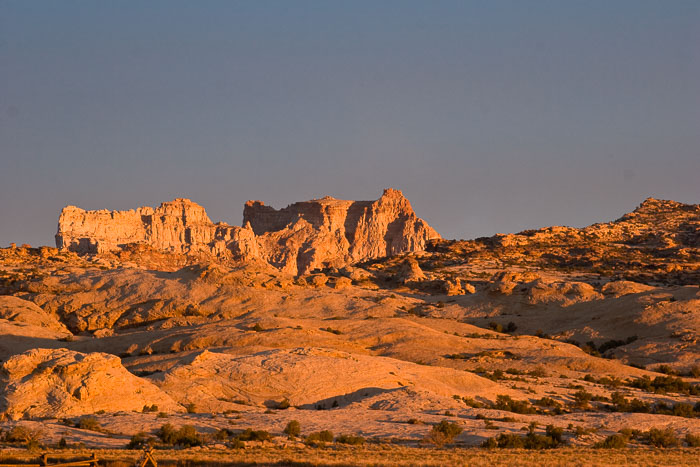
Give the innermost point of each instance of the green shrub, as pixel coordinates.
(683, 410)
(692, 441)
(223, 434)
(504, 402)
(664, 384)
(665, 438)
(89, 423)
(319, 438)
(237, 444)
(582, 399)
(139, 440)
(547, 402)
(186, 436)
(505, 441)
(616, 441)
(292, 429)
(469, 402)
(350, 439)
(167, 434)
(496, 326)
(552, 438)
(254, 435)
(444, 432)
(556, 433)
(22, 434)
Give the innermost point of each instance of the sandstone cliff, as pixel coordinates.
(296, 239)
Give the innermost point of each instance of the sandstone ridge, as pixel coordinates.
(297, 239)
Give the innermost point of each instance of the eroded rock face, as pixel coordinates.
(64, 383)
(297, 239)
(179, 226)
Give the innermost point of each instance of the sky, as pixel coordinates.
(491, 116)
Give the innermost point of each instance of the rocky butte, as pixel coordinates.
(304, 236)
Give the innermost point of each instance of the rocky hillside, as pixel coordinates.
(297, 239)
(658, 242)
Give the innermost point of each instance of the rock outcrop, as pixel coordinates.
(178, 226)
(308, 377)
(64, 383)
(23, 311)
(297, 239)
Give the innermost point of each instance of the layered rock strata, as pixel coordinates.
(297, 239)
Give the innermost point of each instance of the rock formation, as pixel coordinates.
(64, 383)
(23, 311)
(306, 377)
(297, 239)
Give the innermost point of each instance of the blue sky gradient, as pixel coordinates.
(491, 116)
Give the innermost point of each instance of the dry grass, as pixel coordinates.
(385, 455)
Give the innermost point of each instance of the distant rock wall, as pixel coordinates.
(297, 239)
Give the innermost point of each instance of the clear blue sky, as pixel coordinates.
(491, 116)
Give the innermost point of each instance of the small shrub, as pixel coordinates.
(22, 434)
(191, 407)
(664, 384)
(504, 402)
(505, 441)
(616, 441)
(469, 402)
(692, 441)
(258, 328)
(284, 404)
(254, 435)
(293, 429)
(354, 440)
(665, 438)
(547, 402)
(89, 423)
(496, 326)
(319, 438)
(444, 432)
(149, 408)
(186, 436)
(139, 440)
(683, 410)
(582, 398)
(223, 434)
